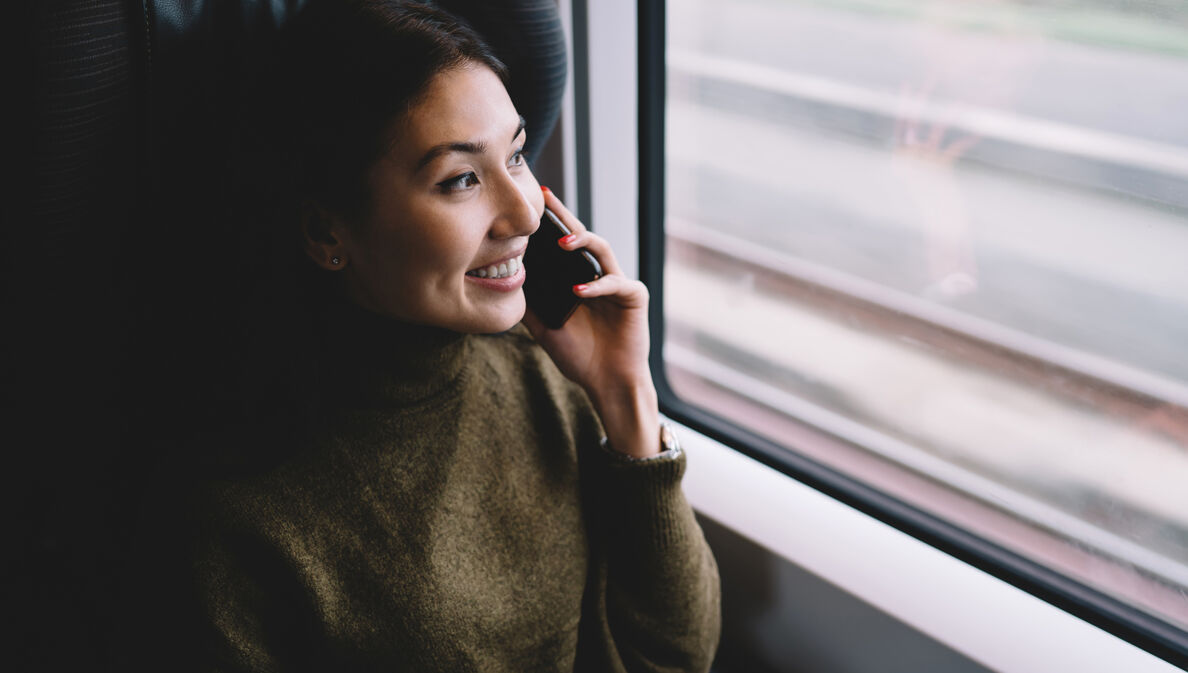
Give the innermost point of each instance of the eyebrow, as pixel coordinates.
(463, 147)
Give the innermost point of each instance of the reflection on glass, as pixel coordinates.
(952, 233)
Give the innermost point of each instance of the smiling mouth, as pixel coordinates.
(504, 269)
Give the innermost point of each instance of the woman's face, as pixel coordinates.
(453, 203)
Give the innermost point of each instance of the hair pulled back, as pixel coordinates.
(351, 69)
(329, 97)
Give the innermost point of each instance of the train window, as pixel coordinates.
(937, 248)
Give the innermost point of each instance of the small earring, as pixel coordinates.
(335, 261)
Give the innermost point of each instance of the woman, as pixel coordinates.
(446, 500)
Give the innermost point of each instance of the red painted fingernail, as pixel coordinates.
(566, 240)
(546, 190)
(580, 287)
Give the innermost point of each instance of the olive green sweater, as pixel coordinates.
(449, 509)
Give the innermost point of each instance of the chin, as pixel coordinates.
(509, 322)
(499, 320)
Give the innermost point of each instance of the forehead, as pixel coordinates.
(464, 104)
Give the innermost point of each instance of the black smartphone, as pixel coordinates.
(551, 272)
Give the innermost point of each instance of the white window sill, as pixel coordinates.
(976, 614)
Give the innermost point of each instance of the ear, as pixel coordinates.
(323, 237)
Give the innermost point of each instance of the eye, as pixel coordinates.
(459, 183)
(517, 158)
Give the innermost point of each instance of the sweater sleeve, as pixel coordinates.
(208, 594)
(250, 616)
(653, 596)
(247, 608)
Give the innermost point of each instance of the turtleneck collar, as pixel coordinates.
(372, 360)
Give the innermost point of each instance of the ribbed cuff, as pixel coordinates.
(643, 497)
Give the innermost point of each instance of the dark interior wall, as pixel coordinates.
(66, 306)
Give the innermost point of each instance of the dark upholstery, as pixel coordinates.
(122, 263)
(528, 39)
(67, 305)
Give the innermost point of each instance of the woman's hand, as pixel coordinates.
(603, 346)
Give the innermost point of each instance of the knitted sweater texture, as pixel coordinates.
(450, 509)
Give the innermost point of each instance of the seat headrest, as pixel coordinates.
(197, 49)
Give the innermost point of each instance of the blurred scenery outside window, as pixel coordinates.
(943, 246)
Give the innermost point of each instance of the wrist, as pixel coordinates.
(631, 418)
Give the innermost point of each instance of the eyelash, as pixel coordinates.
(469, 179)
(457, 184)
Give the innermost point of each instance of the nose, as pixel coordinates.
(517, 211)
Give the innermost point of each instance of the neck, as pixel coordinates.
(376, 360)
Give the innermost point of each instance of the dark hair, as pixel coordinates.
(350, 69)
(338, 79)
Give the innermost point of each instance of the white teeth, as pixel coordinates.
(501, 270)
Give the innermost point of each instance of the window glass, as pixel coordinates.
(944, 246)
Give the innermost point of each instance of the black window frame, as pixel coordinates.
(1146, 631)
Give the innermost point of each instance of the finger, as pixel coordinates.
(617, 288)
(580, 236)
(598, 246)
(567, 218)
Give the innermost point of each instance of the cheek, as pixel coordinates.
(447, 252)
(428, 246)
(444, 258)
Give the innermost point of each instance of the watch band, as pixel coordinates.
(670, 447)
(668, 438)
